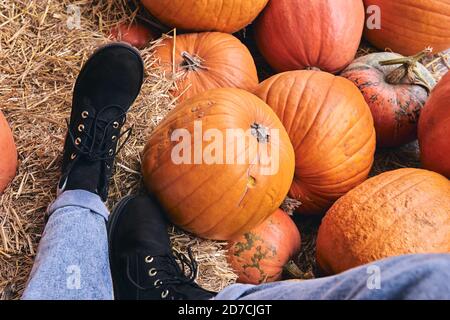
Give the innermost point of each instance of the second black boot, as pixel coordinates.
(143, 265)
(106, 87)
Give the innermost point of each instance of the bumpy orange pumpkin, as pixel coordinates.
(135, 34)
(8, 154)
(206, 61)
(260, 255)
(434, 129)
(206, 15)
(299, 34)
(394, 98)
(408, 26)
(331, 128)
(399, 212)
(219, 187)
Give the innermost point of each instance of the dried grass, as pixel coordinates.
(40, 60)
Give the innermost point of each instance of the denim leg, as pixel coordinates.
(412, 277)
(72, 261)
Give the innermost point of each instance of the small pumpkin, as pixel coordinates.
(434, 129)
(135, 34)
(207, 183)
(299, 34)
(207, 15)
(408, 26)
(8, 152)
(399, 212)
(260, 255)
(205, 61)
(395, 94)
(331, 128)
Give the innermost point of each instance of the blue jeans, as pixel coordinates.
(72, 263)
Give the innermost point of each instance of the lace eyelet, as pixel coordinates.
(165, 294)
(77, 141)
(111, 152)
(157, 283)
(73, 156)
(152, 272)
(148, 259)
(115, 125)
(85, 114)
(81, 128)
(114, 138)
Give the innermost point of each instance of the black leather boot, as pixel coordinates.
(143, 265)
(106, 87)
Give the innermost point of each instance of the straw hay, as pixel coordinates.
(40, 60)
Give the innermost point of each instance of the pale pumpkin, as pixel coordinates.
(211, 186)
(395, 93)
(260, 255)
(299, 34)
(434, 129)
(408, 26)
(206, 15)
(205, 61)
(8, 152)
(396, 213)
(331, 129)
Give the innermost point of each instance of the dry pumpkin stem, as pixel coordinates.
(40, 60)
(408, 69)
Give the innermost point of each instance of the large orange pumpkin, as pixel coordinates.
(395, 99)
(219, 187)
(434, 129)
(206, 61)
(8, 154)
(400, 212)
(206, 15)
(331, 128)
(408, 26)
(299, 34)
(260, 255)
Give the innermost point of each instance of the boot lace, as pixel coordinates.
(98, 145)
(175, 277)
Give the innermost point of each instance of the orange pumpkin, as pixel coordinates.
(396, 213)
(299, 34)
(211, 182)
(394, 98)
(260, 255)
(205, 61)
(8, 152)
(408, 26)
(331, 128)
(206, 15)
(135, 34)
(434, 129)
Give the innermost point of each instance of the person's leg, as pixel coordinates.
(72, 260)
(401, 278)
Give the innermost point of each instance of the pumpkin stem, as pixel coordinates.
(408, 69)
(293, 270)
(313, 68)
(260, 132)
(192, 63)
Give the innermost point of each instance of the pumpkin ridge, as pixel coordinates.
(343, 141)
(199, 214)
(176, 205)
(405, 35)
(421, 9)
(376, 235)
(319, 107)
